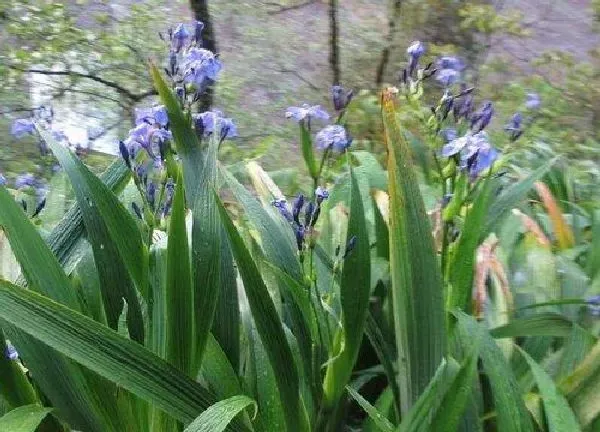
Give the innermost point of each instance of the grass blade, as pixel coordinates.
(119, 252)
(180, 306)
(218, 416)
(416, 278)
(268, 326)
(103, 351)
(24, 419)
(558, 413)
(379, 419)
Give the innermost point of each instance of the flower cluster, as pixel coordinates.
(190, 66)
(332, 137)
(213, 122)
(312, 210)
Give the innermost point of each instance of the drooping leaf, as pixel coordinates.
(416, 278)
(511, 197)
(218, 371)
(355, 289)
(103, 351)
(380, 420)
(218, 416)
(63, 383)
(543, 324)
(24, 418)
(577, 345)
(558, 413)
(268, 326)
(119, 252)
(180, 325)
(511, 413)
(582, 388)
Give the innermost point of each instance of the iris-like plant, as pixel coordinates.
(149, 308)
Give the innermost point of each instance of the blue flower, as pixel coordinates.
(180, 37)
(321, 194)
(155, 115)
(333, 137)
(281, 205)
(297, 208)
(306, 112)
(25, 180)
(450, 62)
(299, 231)
(146, 136)
(125, 154)
(456, 145)
(463, 107)
(448, 134)
(447, 77)
(341, 97)
(200, 66)
(593, 304)
(210, 122)
(10, 353)
(22, 127)
(2, 180)
(414, 51)
(481, 118)
(514, 127)
(533, 101)
(478, 155)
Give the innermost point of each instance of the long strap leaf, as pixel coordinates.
(416, 278)
(103, 351)
(269, 327)
(119, 252)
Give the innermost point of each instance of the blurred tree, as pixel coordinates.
(201, 13)
(334, 48)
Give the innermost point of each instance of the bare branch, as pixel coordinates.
(300, 77)
(134, 97)
(283, 9)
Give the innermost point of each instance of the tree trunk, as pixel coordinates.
(394, 18)
(334, 49)
(201, 13)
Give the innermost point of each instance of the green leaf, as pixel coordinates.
(268, 326)
(380, 420)
(307, 151)
(218, 371)
(226, 324)
(462, 267)
(355, 288)
(512, 197)
(119, 252)
(577, 345)
(417, 292)
(103, 351)
(385, 357)
(179, 302)
(186, 140)
(582, 388)
(418, 418)
(558, 413)
(544, 324)
(206, 249)
(15, 388)
(24, 418)
(218, 416)
(67, 235)
(593, 260)
(63, 383)
(511, 413)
